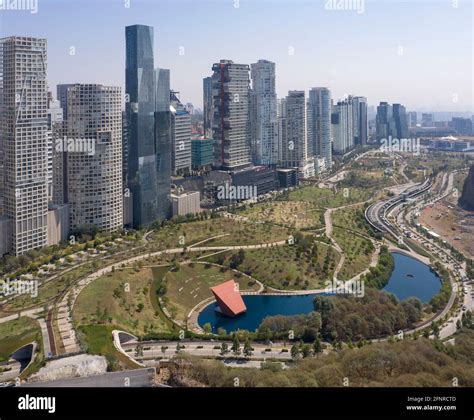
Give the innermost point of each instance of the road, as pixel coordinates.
(168, 349)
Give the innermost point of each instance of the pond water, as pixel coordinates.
(410, 278)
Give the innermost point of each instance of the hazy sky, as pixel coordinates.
(415, 52)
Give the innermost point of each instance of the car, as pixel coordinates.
(464, 307)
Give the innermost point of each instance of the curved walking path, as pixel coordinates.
(329, 230)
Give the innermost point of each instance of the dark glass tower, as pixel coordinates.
(149, 185)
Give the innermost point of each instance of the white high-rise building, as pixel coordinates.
(94, 157)
(230, 106)
(264, 121)
(294, 147)
(24, 134)
(180, 137)
(342, 126)
(319, 125)
(55, 121)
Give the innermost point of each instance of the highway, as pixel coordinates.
(402, 225)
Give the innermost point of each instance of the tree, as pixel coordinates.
(207, 327)
(306, 351)
(247, 348)
(295, 352)
(236, 345)
(224, 349)
(317, 348)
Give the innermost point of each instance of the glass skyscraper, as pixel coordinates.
(148, 182)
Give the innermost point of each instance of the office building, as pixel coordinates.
(264, 123)
(61, 96)
(94, 164)
(391, 121)
(287, 177)
(145, 178)
(163, 91)
(359, 120)
(24, 136)
(427, 120)
(400, 121)
(412, 119)
(463, 126)
(230, 99)
(202, 153)
(186, 203)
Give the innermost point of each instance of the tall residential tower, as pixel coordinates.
(231, 128)
(319, 124)
(264, 121)
(94, 167)
(24, 137)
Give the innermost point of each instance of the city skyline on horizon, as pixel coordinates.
(72, 55)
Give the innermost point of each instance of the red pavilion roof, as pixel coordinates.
(228, 298)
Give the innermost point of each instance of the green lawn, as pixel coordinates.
(287, 267)
(191, 284)
(97, 339)
(352, 218)
(358, 252)
(121, 298)
(294, 214)
(17, 333)
(236, 233)
(329, 198)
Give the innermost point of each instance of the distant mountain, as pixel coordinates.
(467, 197)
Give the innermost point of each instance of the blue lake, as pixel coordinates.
(412, 278)
(409, 278)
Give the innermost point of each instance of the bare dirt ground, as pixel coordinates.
(452, 223)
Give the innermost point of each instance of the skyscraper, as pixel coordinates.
(264, 114)
(24, 134)
(94, 165)
(162, 99)
(391, 121)
(294, 152)
(412, 119)
(230, 104)
(400, 120)
(180, 137)
(359, 119)
(143, 168)
(61, 95)
(207, 104)
(384, 121)
(427, 120)
(343, 126)
(56, 164)
(319, 124)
